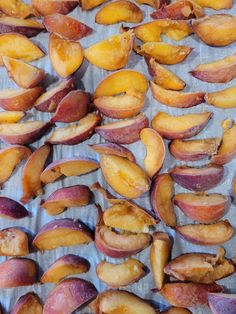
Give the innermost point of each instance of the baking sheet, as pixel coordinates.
(87, 77)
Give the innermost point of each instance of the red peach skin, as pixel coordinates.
(45, 7)
(222, 303)
(28, 304)
(11, 209)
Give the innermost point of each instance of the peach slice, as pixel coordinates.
(66, 26)
(221, 303)
(112, 53)
(180, 127)
(156, 4)
(126, 11)
(159, 256)
(64, 266)
(68, 295)
(120, 275)
(198, 179)
(49, 101)
(11, 116)
(192, 150)
(225, 98)
(46, 7)
(121, 106)
(10, 157)
(76, 133)
(161, 199)
(120, 82)
(65, 55)
(62, 232)
(17, 272)
(31, 184)
(163, 52)
(212, 234)
(13, 242)
(68, 167)
(200, 267)
(26, 51)
(164, 77)
(27, 27)
(28, 304)
(205, 208)
(216, 4)
(10, 209)
(217, 30)
(177, 310)
(16, 8)
(219, 71)
(123, 132)
(25, 75)
(188, 294)
(72, 196)
(91, 4)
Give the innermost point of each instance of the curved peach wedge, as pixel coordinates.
(225, 98)
(45, 7)
(64, 266)
(156, 4)
(11, 116)
(16, 8)
(221, 303)
(216, 4)
(11, 209)
(177, 310)
(112, 53)
(62, 232)
(26, 27)
(13, 242)
(28, 303)
(180, 127)
(91, 4)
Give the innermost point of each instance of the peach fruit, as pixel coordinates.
(156, 4)
(177, 310)
(46, 7)
(215, 4)
(28, 304)
(11, 209)
(91, 4)
(16, 8)
(27, 27)
(225, 98)
(11, 116)
(13, 242)
(221, 303)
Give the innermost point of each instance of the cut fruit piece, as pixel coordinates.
(13, 242)
(219, 71)
(62, 232)
(155, 151)
(68, 167)
(72, 196)
(192, 150)
(28, 304)
(225, 98)
(221, 303)
(46, 7)
(159, 256)
(177, 310)
(10, 209)
(11, 116)
(163, 52)
(25, 75)
(217, 30)
(16, 8)
(65, 55)
(213, 234)
(26, 51)
(120, 275)
(123, 132)
(91, 4)
(66, 26)
(216, 4)
(161, 199)
(126, 11)
(76, 133)
(10, 157)
(112, 53)
(206, 208)
(180, 127)
(156, 4)
(29, 28)
(65, 266)
(31, 184)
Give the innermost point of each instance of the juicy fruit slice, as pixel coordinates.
(11, 116)
(216, 4)
(10, 209)
(16, 8)
(27, 27)
(113, 149)
(45, 7)
(220, 303)
(13, 242)
(222, 99)
(91, 4)
(28, 304)
(154, 3)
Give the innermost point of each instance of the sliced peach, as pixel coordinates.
(68, 167)
(16, 8)
(225, 98)
(221, 303)
(65, 266)
(31, 184)
(163, 52)
(126, 11)
(46, 7)
(217, 30)
(66, 56)
(26, 51)
(216, 4)
(159, 256)
(28, 304)
(13, 242)
(25, 75)
(62, 232)
(156, 4)
(177, 310)
(203, 208)
(66, 26)
(10, 209)
(191, 150)
(11, 116)
(161, 199)
(219, 71)
(123, 132)
(112, 53)
(28, 27)
(91, 4)
(180, 127)
(72, 196)
(212, 234)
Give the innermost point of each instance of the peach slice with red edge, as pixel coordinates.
(28, 303)
(45, 7)
(27, 50)
(11, 116)
(123, 132)
(23, 74)
(16, 8)
(207, 234)
(156, 4)
(159, 256)
(177, 310)
(11, 209)
(180, 127)
(31, 183)
(91, 4)
(66, 26)
(111, 53)
(216, 4)
(62, 232)
(221, 303)
(72, 196)
(203, 208)
(28, 27)
(13, 242)
(225, 98)
(76, 133)
(161, 199)
(65, 266)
